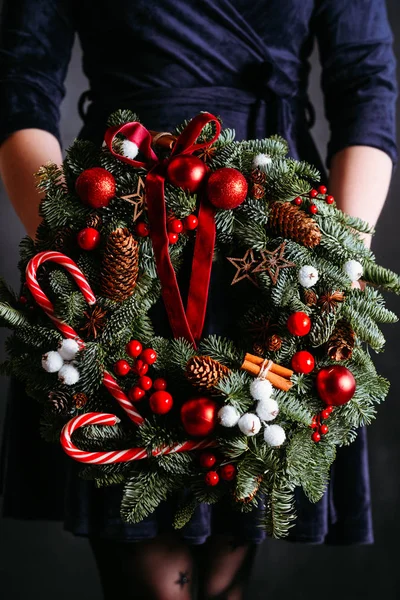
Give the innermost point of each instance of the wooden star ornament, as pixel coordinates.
(137, 199)
(273, 261)
(244, 266)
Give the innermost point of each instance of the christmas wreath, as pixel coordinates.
(258, 412)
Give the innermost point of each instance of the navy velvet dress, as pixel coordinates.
(167, 60)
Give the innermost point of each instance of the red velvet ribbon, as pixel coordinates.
(187, 324)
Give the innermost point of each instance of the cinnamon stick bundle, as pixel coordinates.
(277, 375)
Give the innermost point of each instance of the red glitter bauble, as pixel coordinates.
(88, 238)
(207, 460)
(226, 188)
(303, 362)
(199, 416)
(95, 187)
(211, 478)
(299, 324)
(186, 172)
(161, 402)
(335, 385)
(228, 472)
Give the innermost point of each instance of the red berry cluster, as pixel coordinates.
(212, 477)
(312, 194)
(174, 226)
(320, 428)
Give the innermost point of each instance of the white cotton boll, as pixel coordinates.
(308, 276)
(274, 435)
(52, 361)
(261, 389)
(68, 349)
(68, 374)
(130, 149)
(261, 160)
(353, 269)
(249, 424)
(267, 410)
(228, 416)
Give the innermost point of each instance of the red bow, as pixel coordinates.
(189, 324)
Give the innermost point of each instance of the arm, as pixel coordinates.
(35, 48)
(359, 85)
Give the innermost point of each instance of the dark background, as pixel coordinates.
(39, 559)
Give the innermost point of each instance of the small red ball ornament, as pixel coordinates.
(303, 362)
(142, 229)
(190, 222)
(313, 208)
(299, 324)
(88, 238)
(329, 199)
(175, 225)
(313, 193)
(207, 460)
(140, 367)
(314, 423)
(316, 437)
(199, 416)
(134, 348)
(173, 237)
(329, 409)
(228, 472)
(325, 413)
(136, 393)
(211, 478)
(186, 172)
(335, 385)
(145, 382)
(324, 429)
(149, 356)
(95, 187)
(161, 402)
(122, 367)
(298, 201)
(226, 188)
(160, 384)
(322, 189)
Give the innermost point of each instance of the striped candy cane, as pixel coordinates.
(43, 301)
(114, 456)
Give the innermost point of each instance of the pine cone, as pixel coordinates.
(205, 372)
(274, 342)
(120, 265)
(258, 176)
(94, 220)
(257, 191)
(80, 399)
(310, 297)
(60, 403)
(63, 240)
(291, 222)
(341, 343)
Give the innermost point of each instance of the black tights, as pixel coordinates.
(166, 568)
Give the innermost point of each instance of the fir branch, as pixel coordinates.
(185, 512)
(220, 349)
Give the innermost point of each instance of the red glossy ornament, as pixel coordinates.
(140, 367)
(226, 188)
(149, 356)
(299, 323)
(227, 472)
(298, 201)
(207, 460)
(122, 367)
(211, 478)
(329, 199)
(322, 189)
(160, 384)
(303, 362)
(316, 437)
(335, 385)
(142, 229)
(95, 187)
(313, 193)
(186, 172)
(199, 416)
(136, 393)
(134, 348)
(313, 208)
(173, 237)
(190, 222)
(175, 225)
(325, 413)
(145, 382)
(324, 429)
(88, 238)
(161, 402)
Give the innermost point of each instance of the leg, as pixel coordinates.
(225, 568)
(156, 569)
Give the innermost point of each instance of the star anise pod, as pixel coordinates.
(207, 153)
(95, 322)
(329, 301)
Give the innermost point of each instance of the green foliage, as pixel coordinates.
(185, 512)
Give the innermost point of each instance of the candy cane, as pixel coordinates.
(43, 301)
(114, 456)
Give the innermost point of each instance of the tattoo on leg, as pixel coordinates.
(183, 578)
